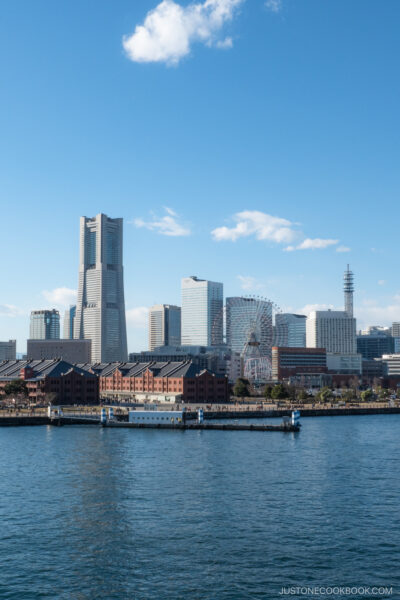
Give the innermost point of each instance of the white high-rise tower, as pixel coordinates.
(202, 312)
(100, 308)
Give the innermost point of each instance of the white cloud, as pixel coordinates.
(9, 310)
(169, 30)
(225, 44)
(312, 244)
(249, 283)
(372, 312)
(167, 225)
(274, 5)
(137, 317)
(343, 249)
(261, 225)
(61, 296)
(381, 281)
(308, 308)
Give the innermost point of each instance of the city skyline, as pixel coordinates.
(251, 164)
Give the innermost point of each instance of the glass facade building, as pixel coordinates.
(45, 325)
(100, 309)
(164, 326)
(290, 330)
(69, 318)
(202, 312)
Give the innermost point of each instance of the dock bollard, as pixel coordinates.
(103, 416)
(110, 413)
(200, 415)
(296, 418)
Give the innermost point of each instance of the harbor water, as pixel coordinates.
(93, 513)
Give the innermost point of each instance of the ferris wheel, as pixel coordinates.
(250, 332)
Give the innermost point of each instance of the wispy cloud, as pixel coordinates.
(381, 281)
(309, 308)
(274, 6)
(258, 224)
(249, 283)
(312, 244)
(262, 226)
(137, 317)
(9, 310)
(169, 30)
(374, 312)
(166, 225)
(343, 249)
(61, 297)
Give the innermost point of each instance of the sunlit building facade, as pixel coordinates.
(202, 312)
(100, 309)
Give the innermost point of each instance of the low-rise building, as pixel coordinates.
(53, 381)
(392, 364)
(72, 351)
(374, 345)
(213, 358)
(160, 381)
(8, 350)
(288, 362)
(344, 363)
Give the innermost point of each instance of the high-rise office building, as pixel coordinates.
(202, 312)
(100, 308)
(69, 318)
(248, 320)
(8, 350)
(164, 326)
(333, 330)
(290, 330)
(45, 325)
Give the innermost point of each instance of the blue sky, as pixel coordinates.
(223, 131)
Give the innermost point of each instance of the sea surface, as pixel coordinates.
(91, 513)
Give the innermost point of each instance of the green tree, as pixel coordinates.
(366, 395)
(15, 387)
(383, 393)
(302, 395)
(349, 395)
(268, 391)
(324, 394)
(279, 392)
(241, 387)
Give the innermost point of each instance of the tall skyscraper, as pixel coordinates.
(69, 318)
(333, 330)
(248, 320)
(202, 312)
(164, 326)
(348, 288)
(100, 308)
(45, 325)
(290, 330)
